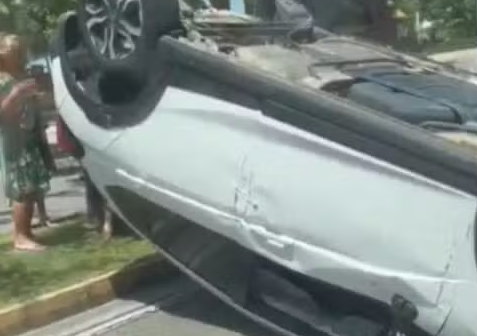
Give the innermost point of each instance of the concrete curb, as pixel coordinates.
(72, 300)
(55, 219)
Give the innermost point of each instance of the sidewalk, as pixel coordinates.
(464, 59)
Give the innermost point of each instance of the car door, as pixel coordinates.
(345, 218)
(188, 156)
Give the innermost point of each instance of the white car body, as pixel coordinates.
(310, 204)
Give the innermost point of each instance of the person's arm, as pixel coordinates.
(12, 98)
(6, 84)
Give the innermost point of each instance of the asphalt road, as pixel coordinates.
(202, 315)
(176, 306)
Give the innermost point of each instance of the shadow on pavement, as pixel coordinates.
(208, 310)
(184, 309)
(61, 237)
(66, 193)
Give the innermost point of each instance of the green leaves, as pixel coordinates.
(3, 9)
(36, 19)
(455, 19)
(33, 19)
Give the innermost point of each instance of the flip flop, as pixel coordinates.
(38, 249)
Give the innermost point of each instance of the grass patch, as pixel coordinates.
(74, 254)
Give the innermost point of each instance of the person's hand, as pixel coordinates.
(27, 88)
(12, 103)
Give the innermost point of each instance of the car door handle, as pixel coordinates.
(272, 239)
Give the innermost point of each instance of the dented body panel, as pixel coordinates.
(314, 206)
(306, 203)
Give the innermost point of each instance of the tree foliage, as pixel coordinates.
(33, 19)
(455, 18)
(36, 19)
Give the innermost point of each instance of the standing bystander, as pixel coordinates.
(25, 174)
(98, 215)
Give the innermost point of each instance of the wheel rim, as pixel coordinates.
(114, 26)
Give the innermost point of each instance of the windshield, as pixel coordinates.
(441, 30)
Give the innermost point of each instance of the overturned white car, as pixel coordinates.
(296, 174)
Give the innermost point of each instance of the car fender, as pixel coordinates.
(89, 134)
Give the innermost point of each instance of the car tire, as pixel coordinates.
(121, 35)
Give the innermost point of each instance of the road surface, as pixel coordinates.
(175, 307)
(204, 315)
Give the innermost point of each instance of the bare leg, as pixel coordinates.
(40, 203)
(22, 215)
(107, 225)
(43, 216)
(94, 204)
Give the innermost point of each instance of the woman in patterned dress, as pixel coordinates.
(25, 175)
